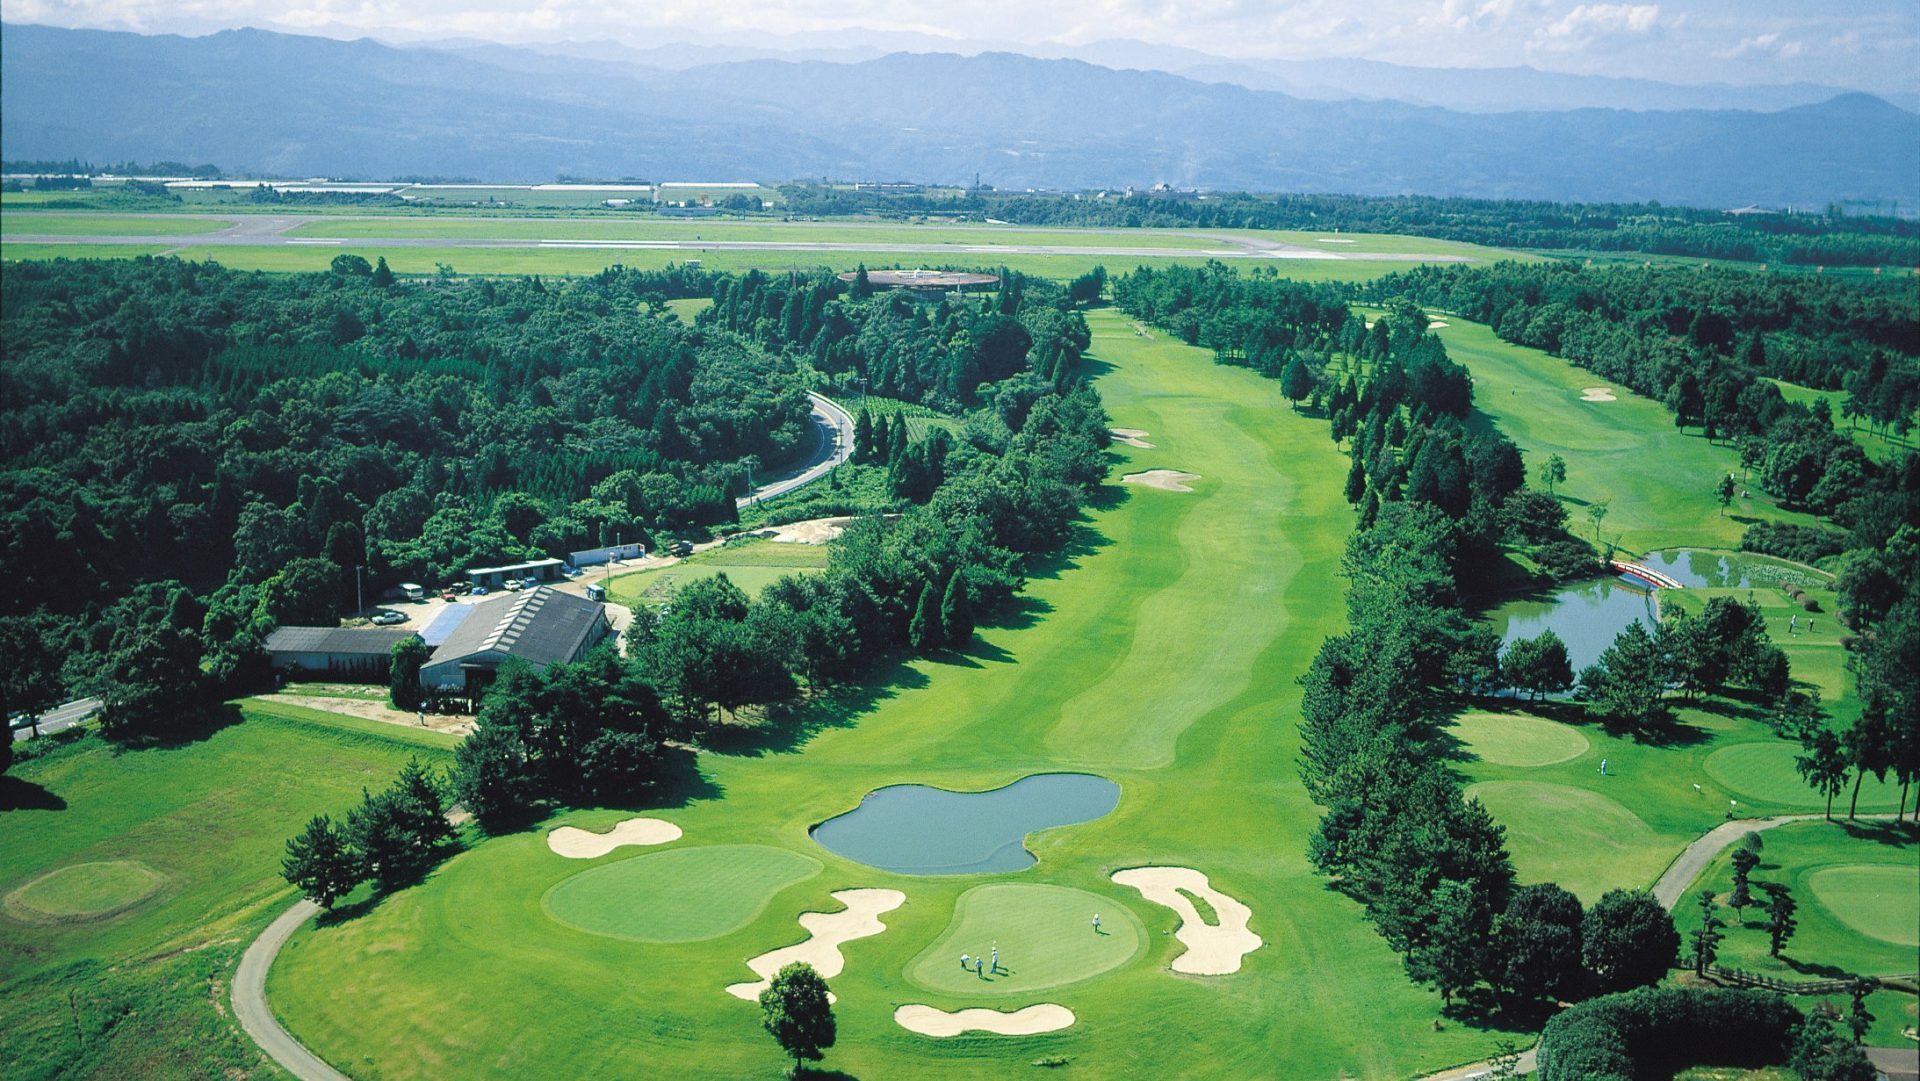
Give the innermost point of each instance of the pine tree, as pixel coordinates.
(1706, 937)
(863, 437)
(925, 633)
(1780, 921)
(956, 612)
(382, 274)
(322, 863)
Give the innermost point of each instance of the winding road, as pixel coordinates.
(834, 428)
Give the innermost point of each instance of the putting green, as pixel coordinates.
(683, 895)
(1518, 739)
(1765, 772)
(1582, 840)
(1045, 934)
(1873, 899)
(85, 891)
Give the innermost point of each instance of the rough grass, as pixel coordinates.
(1046, 939)
(679, 895)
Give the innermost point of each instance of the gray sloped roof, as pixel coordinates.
(369, 641)
(542, 626)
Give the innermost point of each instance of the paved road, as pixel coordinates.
(250, 999)
(834, 428)
(62, 717)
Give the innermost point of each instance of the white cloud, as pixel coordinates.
(1770, 44)
(1590, 24)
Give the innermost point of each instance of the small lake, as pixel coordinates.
(914, 829)
(1587, 616)
(1701, 570)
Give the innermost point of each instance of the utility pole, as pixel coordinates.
(359, 592)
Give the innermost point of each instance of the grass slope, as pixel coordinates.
(680, 895)
(1162, 651)
(752, 566)
(141, 992)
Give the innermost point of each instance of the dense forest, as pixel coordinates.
(1437, 503)
(1831, 239)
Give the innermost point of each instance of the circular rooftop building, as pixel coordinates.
(937, 280)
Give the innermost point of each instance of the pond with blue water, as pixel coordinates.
(915, 829)
(1586, 615)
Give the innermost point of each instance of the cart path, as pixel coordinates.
(250, 999)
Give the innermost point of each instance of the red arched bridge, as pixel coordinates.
(1646, 574)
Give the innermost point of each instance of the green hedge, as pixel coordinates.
(1615, 1037)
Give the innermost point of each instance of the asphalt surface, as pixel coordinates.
(834, 428)
(250, 999)
(62, 717)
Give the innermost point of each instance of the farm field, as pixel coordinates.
(1137, 656)
(132, 879)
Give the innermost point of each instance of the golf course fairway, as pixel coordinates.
(1160, 650)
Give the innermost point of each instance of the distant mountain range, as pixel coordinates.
(304, 106)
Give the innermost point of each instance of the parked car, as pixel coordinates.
(460, 588)
(681, 548)
(388, 619)
(481, 591)
(513, 584)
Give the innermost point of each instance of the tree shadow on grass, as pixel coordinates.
(1018, 613)
(192, 727)
(1891, 834)
(787, 729)
(22, 795)
(1082, 540)
(815, 1073)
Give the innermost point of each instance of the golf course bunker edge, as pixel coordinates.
(915, 829)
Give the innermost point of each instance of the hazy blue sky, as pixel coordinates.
(1866, 43)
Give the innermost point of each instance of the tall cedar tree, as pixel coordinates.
(956, 612)
(925, 633)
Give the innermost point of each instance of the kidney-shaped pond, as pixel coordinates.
(912, 829)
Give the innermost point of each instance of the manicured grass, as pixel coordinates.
(1581, 839)
(689, 308)
(85, 890)
(753, 567)
(1161, 651)
(1764, 772)
(1873, 899)
(12, 252)
(1516, 739)
(1045, 935)
(141, 992)
(1858, 906)
(64, 223)
(934, 237)
(681, 895)
(1656, 480)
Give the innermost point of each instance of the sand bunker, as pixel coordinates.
(578, 844)
(1597, 394)
(927, 1021)
(1212, 949)
(1334, 240)
(1132, 437)
(1170, 480)
(861, 919)
(1436, 324)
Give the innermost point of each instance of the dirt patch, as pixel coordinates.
(927, 1021)
(811, 531)
(367, 709)
(579, 844)
(1168, 480)
(1132, 437)
(1597, 394)
(828, 930)
(1213, 949)
(1436, 324)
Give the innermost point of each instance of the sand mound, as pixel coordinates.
(1436, 324)
(1169, 480)
(578, 844)
(1212, 949)
(861, 919)
(1597, 394)
(812, 531)
(1132, 437)
(927, 1021)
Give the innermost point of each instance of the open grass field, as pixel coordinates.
(1656, 480)
(61, 222)
(753, 566)
(145, 872)
(1161, 651)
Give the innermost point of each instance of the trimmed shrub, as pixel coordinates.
(1620, 1037)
